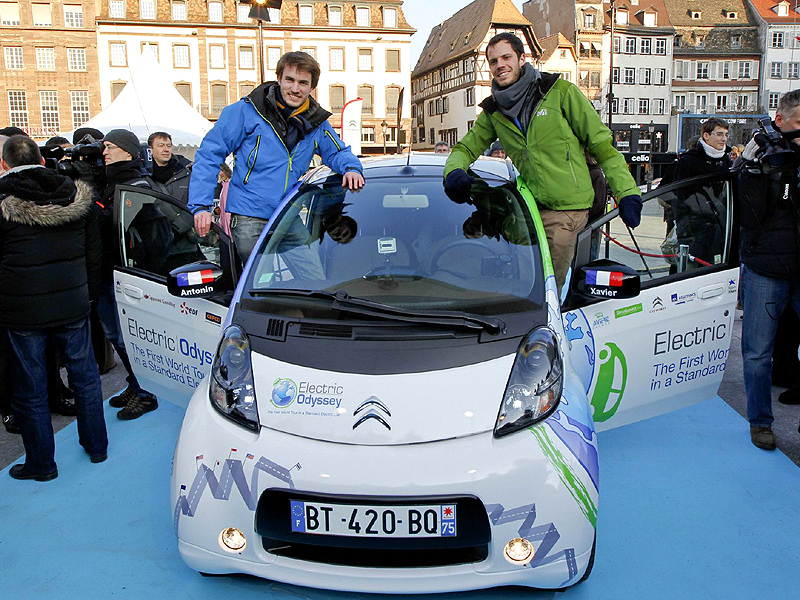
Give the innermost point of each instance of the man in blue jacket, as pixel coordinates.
(273, 133)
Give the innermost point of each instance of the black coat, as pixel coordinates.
(768, 206)
(695, 162)
(177, 185)
(49, 249)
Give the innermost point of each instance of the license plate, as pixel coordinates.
(435, 520)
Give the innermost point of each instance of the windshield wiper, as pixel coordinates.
(343, 301)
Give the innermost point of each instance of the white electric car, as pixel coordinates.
(389, 396)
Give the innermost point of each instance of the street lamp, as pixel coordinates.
(260, 12)
(384, 129)
(651, 128)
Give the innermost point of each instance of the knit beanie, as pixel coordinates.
(125, 140)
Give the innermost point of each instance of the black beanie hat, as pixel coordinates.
(125, 140)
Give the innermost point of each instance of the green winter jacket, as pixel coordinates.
(550, 159)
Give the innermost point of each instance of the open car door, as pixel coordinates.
(667, 347)
(170, 340)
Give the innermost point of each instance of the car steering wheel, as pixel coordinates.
(472, 243)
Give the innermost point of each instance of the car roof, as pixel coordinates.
(420, 163)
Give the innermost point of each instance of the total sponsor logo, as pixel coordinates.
(286, 392)
(658, 305)
(188, 310)
(683, 298)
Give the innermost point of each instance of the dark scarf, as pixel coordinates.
(516, 100)
(296, 124)
(165, 173)
(122, 172)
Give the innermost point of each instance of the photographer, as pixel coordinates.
(769, 204)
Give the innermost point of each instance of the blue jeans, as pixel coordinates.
(109, 320)
(764, 300)
(29, 402)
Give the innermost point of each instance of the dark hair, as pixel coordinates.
(82, 132)
(788, 102)
(57, 141)
(302, 61)
(226, 170)
(11, 130)
(21, 150)
(158, 134)
(712, 123)
(516, 44)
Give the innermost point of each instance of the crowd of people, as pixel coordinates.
(59, 247)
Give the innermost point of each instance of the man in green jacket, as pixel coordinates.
(544, 123)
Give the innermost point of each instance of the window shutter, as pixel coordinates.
(785, 70)
(712, 70)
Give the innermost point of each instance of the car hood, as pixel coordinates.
(379, 409)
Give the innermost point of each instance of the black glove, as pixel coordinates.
(630, 210)
(458, 185)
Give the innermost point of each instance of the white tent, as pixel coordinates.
(148, 103)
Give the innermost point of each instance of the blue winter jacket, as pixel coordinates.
(254, 130)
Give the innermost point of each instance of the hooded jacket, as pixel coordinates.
(255, 131)
(550, 155)
(695, 162)
(177, 186)
(49, 249)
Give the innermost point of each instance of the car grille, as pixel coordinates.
(470, 545)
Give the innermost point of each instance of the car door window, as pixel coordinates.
(685, 227)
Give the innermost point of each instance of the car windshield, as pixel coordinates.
(402, 242)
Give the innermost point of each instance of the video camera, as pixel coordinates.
(81, 161)
(774, 155)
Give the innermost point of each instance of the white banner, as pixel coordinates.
(351, 125)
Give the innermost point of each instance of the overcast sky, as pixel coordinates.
(424, 15)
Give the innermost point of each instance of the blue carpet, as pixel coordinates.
(688, 509)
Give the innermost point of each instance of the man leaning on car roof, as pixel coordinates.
(273, 133)
(544, 123)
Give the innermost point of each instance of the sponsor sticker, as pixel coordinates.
(732, 287)
(658, 305)
(212, 318)
(682, 298)
(600, 320)
(628, 310)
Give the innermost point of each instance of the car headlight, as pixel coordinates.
(231, 388)
(534, 387)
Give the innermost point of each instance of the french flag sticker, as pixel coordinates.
(195, 278)
(604, 278)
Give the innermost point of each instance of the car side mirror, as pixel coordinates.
(198, 280)
(606, 279)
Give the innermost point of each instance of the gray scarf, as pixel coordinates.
(515, 101)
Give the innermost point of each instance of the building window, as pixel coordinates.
(337, 59)
(644, 46)
(116, 9)
(700, 41)
(242, 13)
(179, 10)
(14, 57)
(736, 41)
(147, 9)
(185, 90)
(777, 39)
(627, 106)
(180, 56)
(219, 97)
(432, 133)
(365, 93)
(45, 59)
(649, 19)
(702, 70)
(469, 96)
(661, 46)
(76, 59)
(273, 56)
(18, 109)
(215, 12)
(615, 75)
(644, 76)
(389, 17)
(79, 103)
(117, 55)
(48, 102)
(42, 15)
(679, 102)
(362, 17)
(588, 20)
(116, 89)
(9, 14)
(594, 78)
(776, 70)
(773, 100)
(630, 45)
(306, 12)
(622, 17)
(216, 56)
(781, 9)
(658, 106)
(617, 43)
(392, 100)
(367, 135)
(73, 15)
(245, 57)
(696, 14)
(725, 69)
(335, 16)
(274, 15)
(661, 77)
(722, 102)
(630, 76)
(622, 139)
(794, 70)
(744, 69)
(310, 51)
(742, 102)
(393, 60)
(245, 89)
(337, 98)
(644, 106)
(364, 59)
(701, 103)
(615, 106)
(152, 46)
